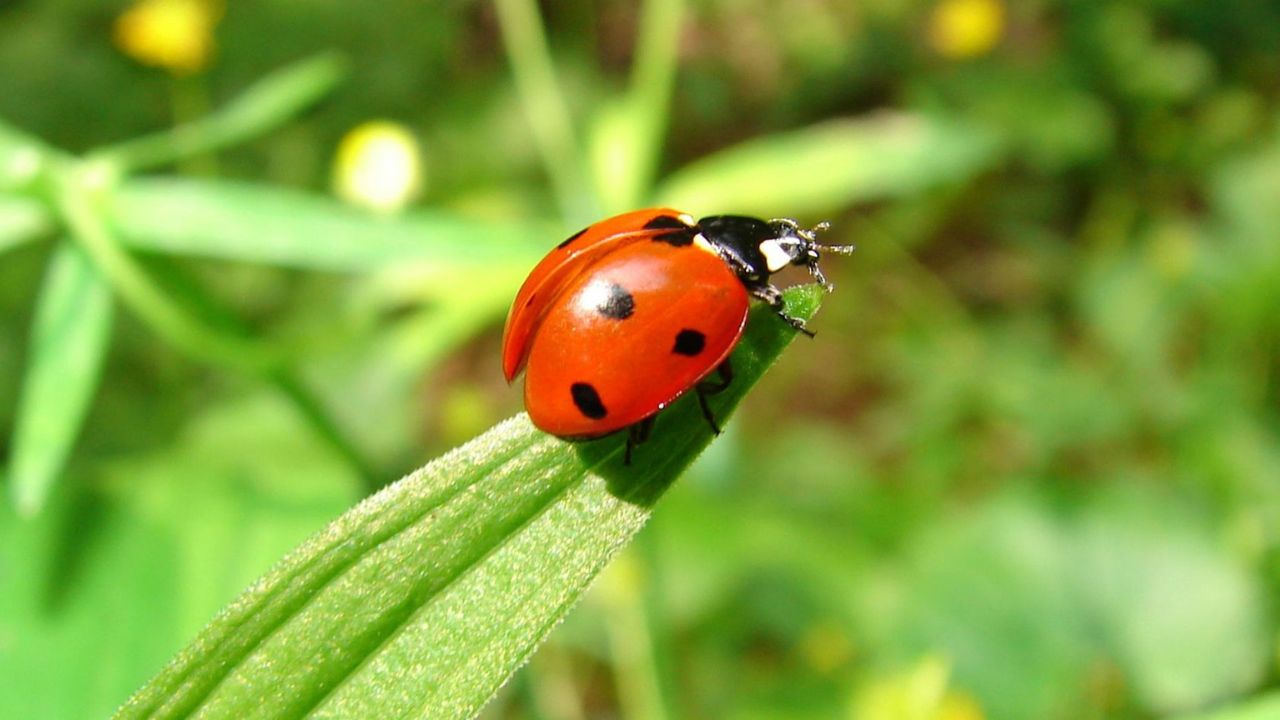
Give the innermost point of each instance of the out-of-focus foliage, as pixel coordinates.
(1030, 467)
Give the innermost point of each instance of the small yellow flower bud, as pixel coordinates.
(961, 29)
(378, 166)
(176, 35)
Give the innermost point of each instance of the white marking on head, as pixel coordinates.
(687, 219)
(700, 241)
(775, 258)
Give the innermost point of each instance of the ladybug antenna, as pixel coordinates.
(811, 248)
(812, 236)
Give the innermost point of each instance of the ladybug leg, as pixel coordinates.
(773, 297)
(725, 371)
(705, 388)
(636, 435)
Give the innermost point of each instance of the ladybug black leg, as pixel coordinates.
(705, 388)
(773, 297)
(725, 371)
(636, 435)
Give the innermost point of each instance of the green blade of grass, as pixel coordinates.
(826, 167)
(22, 220)
(268, 104)
(626, 137)
(68, 341)
(424, 599)
(525, 39)
(255, 223)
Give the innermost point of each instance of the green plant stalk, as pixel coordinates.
(322, 423)
(627, 132)
(653, 74)
(189, 98)
(630, 642)
(267, 104)
(552, 688)
(77, 197)
(425, 598)
(525, 40)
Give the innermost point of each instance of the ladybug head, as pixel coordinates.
(801, 247)
(756, 249)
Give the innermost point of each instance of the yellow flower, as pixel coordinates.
(960, 29)
(378, 166)
(176, 35)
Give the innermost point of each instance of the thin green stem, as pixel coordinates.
(555, 694)
(75, 196)
(189, 98)
(314, 412)
(525, 40)
(630, 642)
(653, 74)
(269, 103)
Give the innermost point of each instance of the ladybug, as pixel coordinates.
(627, 315)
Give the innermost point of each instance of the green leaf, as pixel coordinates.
(256, 223)
(109, 581)
(422, 600)
(68, 341)
(21, 220)
(269, 103)
(826, 167)
(22, 157)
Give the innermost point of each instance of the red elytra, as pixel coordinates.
(627, 315)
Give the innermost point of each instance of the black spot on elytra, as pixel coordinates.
(676, 238)
(587, 400)
(665, 222)
(680, 234)
(572, 237)
(618, 305)
(689, 343)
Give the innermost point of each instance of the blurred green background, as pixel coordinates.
(1029, 468)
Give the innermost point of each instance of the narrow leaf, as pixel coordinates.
(425, 598)
(21, 220)
(106, 582)
(256, 223)
(22, 157)
(826, 167)
(269, 103)
(68, 341)
(624, 141)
